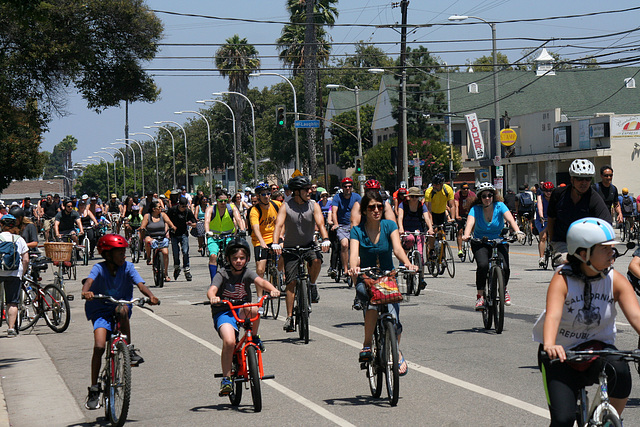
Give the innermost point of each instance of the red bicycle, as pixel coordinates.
(247, 357)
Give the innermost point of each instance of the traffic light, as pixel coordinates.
(281, 118)
(358, 164)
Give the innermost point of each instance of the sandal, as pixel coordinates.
(365, 355)
(167, 278)
(402, 366)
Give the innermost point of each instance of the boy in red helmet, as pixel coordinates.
(115, 277)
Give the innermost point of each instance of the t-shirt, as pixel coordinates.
(49, 209)
(608, 194)
(413, 221)
(564, 211)
(464, 202)
(344, 207)
(492, 229)
(119, 287)
(326, 208)
(30, 233)
(180, 219)
(22, 248)
(266, 222)
(67, 221)
(233, 286)
(438, 199)
(379, 254)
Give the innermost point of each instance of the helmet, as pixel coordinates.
(437, 179)
(111, 241)
(8, 219)
(372, 184)
(237, 243)
(625, 190)
(17, 211)
(484, 186)
(263, 186)
(346, 180)
(403, 184)
(402, 190)
(547, 185)
(247, 188)
(299, 182)
(582, 168)
(587, 232)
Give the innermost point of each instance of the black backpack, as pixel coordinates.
(627, 205)
(250, 228)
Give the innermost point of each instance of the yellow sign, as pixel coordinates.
(508, 137)
(167, 194)
(296, 173)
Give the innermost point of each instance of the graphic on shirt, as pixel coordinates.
(237, 293)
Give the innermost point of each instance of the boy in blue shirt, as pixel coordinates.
(115, 277)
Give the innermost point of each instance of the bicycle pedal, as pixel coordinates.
(69, 297)
(363, 365)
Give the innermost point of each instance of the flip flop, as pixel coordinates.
(406, 367)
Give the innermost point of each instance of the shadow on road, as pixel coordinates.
(359, 401)
(9, 362)
(223, 407)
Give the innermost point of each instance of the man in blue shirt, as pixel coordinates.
(341, 209)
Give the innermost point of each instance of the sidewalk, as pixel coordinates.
(31, 390)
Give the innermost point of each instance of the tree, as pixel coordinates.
(344, 141)
(354, 69)
(485, 63)
(236, 59)
(291, 47)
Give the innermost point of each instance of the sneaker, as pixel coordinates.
(12, 333)
(365, 355)
(332, 273)
(288, 325)
(315, 298)
(187, 275)
(135, 357)
(345, 277)
(357, 305)
(176, 273)
(460, 254)
(261, 310)
(480, 303)
(93, 398)
(507, 298)
(226, 386)
(423, 285)
(541, 261)
(259, 343)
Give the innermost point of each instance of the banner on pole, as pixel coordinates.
(473, 126)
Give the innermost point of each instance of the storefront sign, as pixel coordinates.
(625, 126)
(473, 126)
(508, 137)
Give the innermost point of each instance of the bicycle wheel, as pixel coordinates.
(254, 378)
(158, 269)
(236, 395)
(449, 260)
(390, 360)
(303, 311)
(499, 292)
(547, 257)
(487, 312)
(338, 271)
(274, 278)
(420, 282)
(133, 248)
(28, 312)
(529, 235)
(3, 309)
(471, 254)
(606, 415)
(55, 306)
(374, 367)
(85, 251)
(464, 249)
(119, 385)
(411, 278)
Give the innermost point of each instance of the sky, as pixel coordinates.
(454, 43)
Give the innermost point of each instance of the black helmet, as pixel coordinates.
(437, 179)
(17, 211)
(235, 244)
(299, 182)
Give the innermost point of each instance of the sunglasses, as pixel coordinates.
(414, 197)
(464, 189)
(264, 194)
(609, 175)
(347, 186)
(223, 200)
(582, 179)
(487, 196)
(375, 207)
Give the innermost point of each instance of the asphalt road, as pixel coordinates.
(459, 373)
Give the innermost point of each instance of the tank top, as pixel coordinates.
(155, 229)
(582, 322)
(545, 205)
(221, 224)
(85, 220)
(200, 214)
(299, 224)
(412, 221)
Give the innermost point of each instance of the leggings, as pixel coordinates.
(482, 253)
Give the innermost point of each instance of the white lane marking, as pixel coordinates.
(272, 383)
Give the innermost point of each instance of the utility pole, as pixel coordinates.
(402, 141)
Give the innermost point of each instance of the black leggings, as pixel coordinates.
(563, 383)
(482, 254)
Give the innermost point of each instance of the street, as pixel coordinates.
(459, 373)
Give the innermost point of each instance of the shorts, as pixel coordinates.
(47, 223)
(11, 289)
(439, 218)
(291, 263)
(213, 244)
(261, 253)
(222, 317)
(343, 232)
(102, 321)
(540, 226)
(164, 243)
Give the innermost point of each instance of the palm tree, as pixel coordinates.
(291, 47)
(236, 59)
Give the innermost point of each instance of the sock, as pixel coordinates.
(213, 269)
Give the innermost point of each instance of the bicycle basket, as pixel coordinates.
(383, 290)
(58, 251)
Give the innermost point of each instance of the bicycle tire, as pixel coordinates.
(498, 312)
(3, 312)
(410, 278)
(420, 279)
(390, 360)
(302, 295)
(56, 309)
(487, 313)
(158, 270)
(338, 271)
(134, 248)
(449, 260)
(624, 232)
(547, 257)
(463, 257)
(274, 278)
(374, 367)
(85, 251)
(254, 378)
(471, 254)
(529, 235)
(28, 310)
(119, 386)
(236, 394)
(607, 416)
(74, 271)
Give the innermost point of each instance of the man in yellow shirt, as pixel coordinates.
(439, 199)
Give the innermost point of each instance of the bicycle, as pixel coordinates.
(302, 304)
(115, 378)
(134, 247)
(494, 290)
(601, 412)
(247, 356)
(415, 258)
(60, 253)
(84, 248)
(221, 239)
(442, 258)
(525, 226)
(384, 347)
(69, 266)
(157, 261)
(276, 278)
(114, 219)
(51, 303)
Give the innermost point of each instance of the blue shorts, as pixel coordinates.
(164, 243)
(223, 317)
(213, 244)
(106, 322)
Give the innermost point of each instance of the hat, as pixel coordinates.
(93, 199)
(324, 192)
(182, 201)
(85, 196)
(175, 191)
(114, 196)
(402, 190)
(415, 191)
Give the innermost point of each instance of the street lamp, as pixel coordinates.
(68, 181)
(253, 120)
(208, 139)
(295, 110)
(107, 165)
(155, 143)
(141, 158)
(184, 133)
(235, 152)
(115, 182)
(496, 107)
(173, 151)
(135, 190)
(124, 174)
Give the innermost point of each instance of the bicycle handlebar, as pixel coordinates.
(235, 304)
(494, 242)
(585, 355)
(377, 272)
(140, 302)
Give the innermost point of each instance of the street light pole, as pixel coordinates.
(115, 182)
(155, 143)
(295, 110)
(184, 133)
(235, 151)
(173, 150)
(208, 139)
(135, 189)
(107, 165)
(141, 157)
(124, 175)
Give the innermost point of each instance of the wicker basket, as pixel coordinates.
(58, 251)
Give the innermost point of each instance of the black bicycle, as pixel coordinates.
(222, 240)
(157, 261)
(276, 278)
(302, 304)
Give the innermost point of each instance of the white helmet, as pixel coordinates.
(582, 168)
(587, 232)
(403, 184)
(484, 186)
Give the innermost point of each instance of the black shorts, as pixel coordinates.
(291, 263)
(261, 253)
(439, 218)
(11, 289)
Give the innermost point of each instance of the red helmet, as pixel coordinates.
(402, 190)
(346, 180)
(547, 185)
(372, 184)
(111, 241)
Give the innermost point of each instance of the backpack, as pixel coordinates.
(250, 228)
(627, 205)
(526, 202)
(434, 192)
(9, 255)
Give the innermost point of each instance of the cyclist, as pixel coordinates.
(374, 184)
(341, 206)
(525, 205)
(572, 202)
(462, 203)
(399, 195)
(262, 220)
(234, 283)
(30, 211)
(66, 221)
(27, 229)
(627, 207)
(439, 199)
(48, 209)
(88, 220)
(115, 207)
(182, 217)
(608, 192)
(572, 322)
(413, 216)
(373, 242)
(299, 217)
(220, 217)
(486, 219)
(132, 222)
(157, 224)
(10, 279)
(542, 205)
(114, 277)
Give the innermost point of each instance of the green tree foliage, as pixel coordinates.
(485, 63)
(377, 163)
(94, 178)
(291, 47)
(60, 160)
(353, 70)
(344, 134)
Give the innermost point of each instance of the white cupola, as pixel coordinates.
(545, 64)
